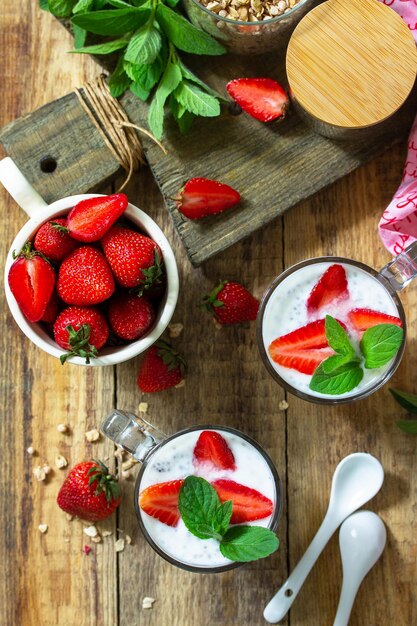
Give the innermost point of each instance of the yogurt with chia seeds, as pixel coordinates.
(173, 460)
(286, 311)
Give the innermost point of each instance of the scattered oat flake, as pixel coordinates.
(143, 407)
(92, 435)
(91, 531)
(175, 330)
(283, 405)
(147, 603)
(180, 384)
(106, 533)
(217, 324)
(86, 549)
(60, 461)
(96, 539)
(46, 468)
(127, 465)
(39, 473)
(119, 453)
(128, 539)
(43, 528)
(119, 546)
(62, 428)
(31, 450)
(69, 517)
(126, 474)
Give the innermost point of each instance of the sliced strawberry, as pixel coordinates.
(212, 448)
(161, 501)
(90, 219)
(248, 504)
(362, 319)
(331, 287)
(302, 349)
(201, 197)
(263, 98)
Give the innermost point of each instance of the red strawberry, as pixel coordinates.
(31, 280)
(231, 303)
(248, 504)
(302, 349)
(53, 240)
(263, 98)
(331, 287)
(89, 492)
(90, 219)
(161, 368)
(201, 196)
(52, 309)
(80, 330)
(130, 316)
(134, 259)
(161, 501)
(85, 277)
(362, 319)
(212, 448)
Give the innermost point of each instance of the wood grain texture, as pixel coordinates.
(48, 581)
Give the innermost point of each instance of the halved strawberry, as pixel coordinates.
(212, 448)
(303, 349)
(161, 501)
(201, 197)
(90, 219)
(263, 98)
(248, 504)
(331, 287)
(362, 319)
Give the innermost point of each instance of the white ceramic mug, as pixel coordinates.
(40, 212)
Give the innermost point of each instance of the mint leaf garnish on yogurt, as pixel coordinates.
(380, 344)
(207, 518)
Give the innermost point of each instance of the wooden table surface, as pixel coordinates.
(47, 579)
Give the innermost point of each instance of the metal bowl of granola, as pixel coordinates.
(248, 26)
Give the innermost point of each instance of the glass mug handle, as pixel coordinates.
(403, 269)
(132, 433)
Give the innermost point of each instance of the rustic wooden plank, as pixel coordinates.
(46, 578)
(226, 384)
(342, 220)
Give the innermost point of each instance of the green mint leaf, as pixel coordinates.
(184, 35)
(198, 503)
(194, 79)
(339, 381)
(222, 516)
(99, 4)
(168, 83)
(112, 22)
(183, 117)
(61, 8)
(80, 35)
(337, 337)
(145, 75)
(248, 543)
(44, 5)
(196, 101)
(139, 92)
(407, 400)
(119, 81)
(172, 3)
(336, 361)
(120, 4)
(408, 426)
(103, 48)
(380, 344)
(144, 46)
(82, 6)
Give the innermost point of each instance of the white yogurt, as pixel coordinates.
(286, 310)
(174, 460)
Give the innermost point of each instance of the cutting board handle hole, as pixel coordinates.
(48, 164)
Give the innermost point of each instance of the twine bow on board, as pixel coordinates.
(112, 122)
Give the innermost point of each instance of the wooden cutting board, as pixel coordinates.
(273, 166)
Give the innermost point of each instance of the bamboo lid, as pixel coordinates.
(351, 63)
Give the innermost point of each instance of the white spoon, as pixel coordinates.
(357, 479)
(362, 540)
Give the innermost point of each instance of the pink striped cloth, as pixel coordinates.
(398, 225)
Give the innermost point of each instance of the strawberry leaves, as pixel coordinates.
(79, 344)
(409, 402)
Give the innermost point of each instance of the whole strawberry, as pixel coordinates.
(90, 219)
(80, 330)
(31, 280)
(53, 240)
(130, 316)
(231, 303)
(89, 492)
(134, 258)
(162, 367)
(85, 277)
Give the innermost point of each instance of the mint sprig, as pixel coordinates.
(409, 402)
(343, 371)
(147, 37)
(207, 518)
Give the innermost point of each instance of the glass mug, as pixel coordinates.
(165, 458)
(285, 300)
